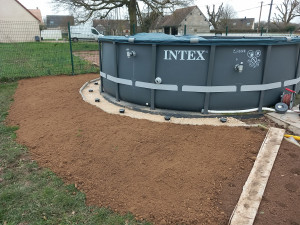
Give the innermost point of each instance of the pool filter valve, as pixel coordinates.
(130, 53)
(239, 67)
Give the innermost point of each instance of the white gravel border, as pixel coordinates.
(111, 108)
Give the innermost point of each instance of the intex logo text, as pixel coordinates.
(184, 54)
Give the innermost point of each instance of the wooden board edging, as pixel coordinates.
(247, 206)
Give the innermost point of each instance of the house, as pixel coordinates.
(157, 25)
(112, 27)
(190, 17)
(37, 13)
(17, 23)
(240, 24)
(59, 22)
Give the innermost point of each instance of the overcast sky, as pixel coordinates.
(248, 8)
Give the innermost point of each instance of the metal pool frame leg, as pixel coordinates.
(209, 77)
(153, 72)
(116, 70)
(263, 79)
(296, 86)
(100, 65)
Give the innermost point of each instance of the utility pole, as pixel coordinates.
(259, 17)
(269, 16)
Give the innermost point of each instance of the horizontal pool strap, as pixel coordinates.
(164, 87)
(214, 89)
(260, 87)
(102, 74)
(119, 80)
(202, 89)
(291, 82)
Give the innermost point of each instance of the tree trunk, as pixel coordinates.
(132, 16)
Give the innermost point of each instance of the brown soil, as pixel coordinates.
(281, 201)
(161, 172)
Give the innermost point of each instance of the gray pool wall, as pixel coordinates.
(199, 74)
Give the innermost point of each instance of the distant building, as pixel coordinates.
(241, 24)
(37, 13)
(17, 23)
(157, 25)
(112, 27)
(174, 24)
(59, 22)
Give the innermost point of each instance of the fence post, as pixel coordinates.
(226, 30)
(71, 52)
(184, 29)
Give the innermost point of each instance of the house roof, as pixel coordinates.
(158, 23)
(112, 23)
(37, 13)
(55, 21)
(60, 17)
(241, 22)
(27, 10)
(178, 16)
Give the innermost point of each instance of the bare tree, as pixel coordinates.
(88, 9)
(227, 14)
(214, 16)
(287, 10)
(219, 19)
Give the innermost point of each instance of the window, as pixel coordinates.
(234, 24)
(167, 30)
(95, 32)
(51, 22)
(174, 31)
(248, 24)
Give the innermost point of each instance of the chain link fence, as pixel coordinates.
(25, 51)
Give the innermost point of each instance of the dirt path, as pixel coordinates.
(162, 172)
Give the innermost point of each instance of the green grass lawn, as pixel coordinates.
(33, 195)
(32, 59)
(85, 46)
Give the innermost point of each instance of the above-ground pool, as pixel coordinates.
(193, 73)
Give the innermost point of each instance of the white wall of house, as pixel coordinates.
(195, 23)
(16, 23)
(156, 31)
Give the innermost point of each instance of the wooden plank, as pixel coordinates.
(246, 209)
